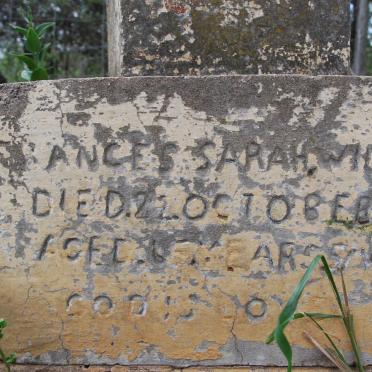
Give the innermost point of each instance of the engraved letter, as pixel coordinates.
(253, 151)
(275, 200)
(278, 156)
(286, 251)
(225, 159)
(248, 203)
(57, 154)
(200, 204)
(299, 157)
(200, 152)
(219, 200)
(108, 157)
(66, 245)
(136, 154)
(44, 247)
(312, 201)
(36, 210)
(115, 259)
(337, 206)
(92, 248)
(362, 213)
(110, 198)
(255, 308)
(367, 158)
(166, 161)
(263, 251)
(82, 203)
(92, 161)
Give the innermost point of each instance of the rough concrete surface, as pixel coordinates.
(29, 368)
(204, 37)
(165, 221)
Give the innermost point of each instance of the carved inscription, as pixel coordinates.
(209, 156)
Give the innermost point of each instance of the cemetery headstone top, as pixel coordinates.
(206, 37)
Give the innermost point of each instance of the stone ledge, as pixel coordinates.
(40, 368)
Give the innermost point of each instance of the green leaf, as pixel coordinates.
(26, 14)
(26, 75)
(335, 348)
(39, 74)
(270, 338)
(330, 354)
(11, 359)
(33, 41)
(21, 30)
(3, 323)
(316, 315)
(288, 312)
(320, 316)
(292, 303)
(28, 61)
(284, 344)
(43, 27)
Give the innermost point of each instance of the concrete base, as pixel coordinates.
(167, 220)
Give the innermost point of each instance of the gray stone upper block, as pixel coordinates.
(203, 37)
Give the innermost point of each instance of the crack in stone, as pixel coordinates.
(59, 107)
(236, 341)
(138, 112)
(28, 295)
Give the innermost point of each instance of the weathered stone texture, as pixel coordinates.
(166, 220)
(204, 37)
(30, 368)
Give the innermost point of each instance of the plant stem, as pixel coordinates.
(3, 358)
(349, 325)
(350, 330)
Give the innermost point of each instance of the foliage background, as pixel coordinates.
(369, 45)
(79, 41)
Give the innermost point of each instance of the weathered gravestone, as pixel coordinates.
(167, 220)
(203, 37)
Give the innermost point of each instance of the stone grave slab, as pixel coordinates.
(204, 37)
(165, 221)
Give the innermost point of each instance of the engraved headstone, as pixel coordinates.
(159, 220)
(206, 37)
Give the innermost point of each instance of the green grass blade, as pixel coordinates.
(330, 354)
(335, 348)
(284, 345)
(39, 74)
(316, 315)
(288, 312)
(333, 285)
(271, 338)
(355, 345)
(21, 30)
(29, 62)
(42, 28)
(292, 303)
(3, 359)
(33, 43)
(346, 315)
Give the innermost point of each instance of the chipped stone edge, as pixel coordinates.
(114, 37)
